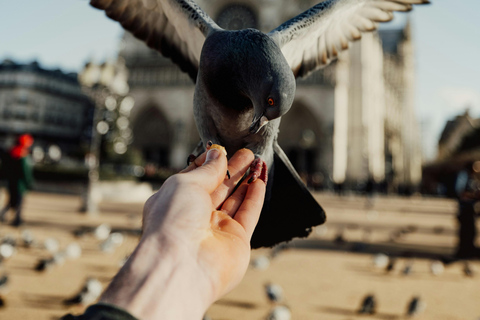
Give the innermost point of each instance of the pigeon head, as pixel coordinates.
(245, 70)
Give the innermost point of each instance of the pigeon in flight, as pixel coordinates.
(245, 82)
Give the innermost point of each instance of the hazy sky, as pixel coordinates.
(66, 33)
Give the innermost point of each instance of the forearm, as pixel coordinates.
(159, 284)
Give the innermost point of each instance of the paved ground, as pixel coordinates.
(321, 278)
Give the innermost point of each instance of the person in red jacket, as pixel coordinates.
(17, 170)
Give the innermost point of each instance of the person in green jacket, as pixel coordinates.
(17, 171)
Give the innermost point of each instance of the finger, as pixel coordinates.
(196, 163)
(249, 211)
(231, 205)
(237, 166)
(211, 173)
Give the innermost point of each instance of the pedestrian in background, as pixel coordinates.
(467, 187)
(17, 171)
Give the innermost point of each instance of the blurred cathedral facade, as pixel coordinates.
(351, 121)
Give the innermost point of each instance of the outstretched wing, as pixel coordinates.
(176, 28)
(312, 39)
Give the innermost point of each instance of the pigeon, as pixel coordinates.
(368, 305)
(407, 270)
(27, 239)
(51, 245)
(274, 292)
(73, 251)
(245, 83)
(6, 251)
(44, 264)
(380, 260)
(88, 294)
(102, 231)
(261, 262)
(279, 313)
(467, 269)
(391, 265)
(114, 240)
(10, 240)
(415, 306)
(437, 267)
(339, 238)
(4, 283)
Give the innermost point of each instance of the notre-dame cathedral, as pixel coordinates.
(350, 122)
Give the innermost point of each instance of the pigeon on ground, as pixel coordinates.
(102, 231)
(6, 251)
(415, 306)
(51, 245)
(274, 292)
(369, 305)
(88, 294)
(3, 283)
(391, 265)
(380, 260)
(407, 270)
(27, 239)
(44, 264)
(279, 313)
(73, 251)
(245, 83)
(437, 267)
(260, 262)
(467, 269)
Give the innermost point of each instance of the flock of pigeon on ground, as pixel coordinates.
(380, 262)
(108, 241)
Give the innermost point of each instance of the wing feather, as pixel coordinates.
(176, 28)
(315, 37)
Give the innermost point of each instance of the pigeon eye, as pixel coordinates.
(270, 101)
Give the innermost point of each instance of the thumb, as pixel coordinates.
(212, 172)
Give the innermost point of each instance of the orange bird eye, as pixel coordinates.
(270, 102)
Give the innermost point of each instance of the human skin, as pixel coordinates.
(195, 245)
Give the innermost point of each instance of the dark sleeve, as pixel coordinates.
(102, 311)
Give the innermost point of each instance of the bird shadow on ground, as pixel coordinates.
(49, 224)
(24, 269)
(102, 269)
(393, 249)
(41, 301)
(237, 304)
(352, 313)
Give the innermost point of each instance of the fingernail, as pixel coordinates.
(212, 154)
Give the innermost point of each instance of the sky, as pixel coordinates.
(66, 34)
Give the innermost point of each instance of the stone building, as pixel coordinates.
(349, 122)
(458, 146)
(48, 104)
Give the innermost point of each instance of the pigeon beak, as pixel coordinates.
(258, 124)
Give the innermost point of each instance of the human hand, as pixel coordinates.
(196, 240)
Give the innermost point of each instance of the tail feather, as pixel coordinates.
(290, 210)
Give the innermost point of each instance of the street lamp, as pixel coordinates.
(105, 84)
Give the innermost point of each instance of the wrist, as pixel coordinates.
(159, 282)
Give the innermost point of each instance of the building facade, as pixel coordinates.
(349, 122)
(48, 104)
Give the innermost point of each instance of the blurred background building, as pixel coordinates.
(50, 105)
(459, 145)
(350, 123)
